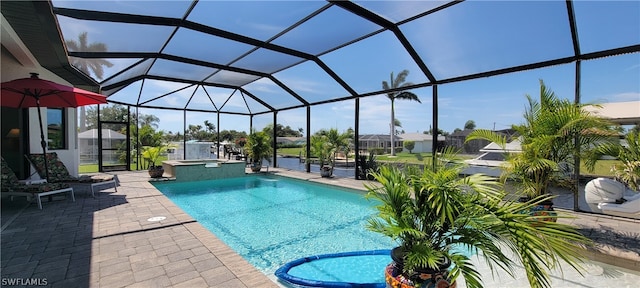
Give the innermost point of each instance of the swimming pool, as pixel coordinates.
(272, 220)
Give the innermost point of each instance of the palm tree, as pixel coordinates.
(149, 120)
(85, 64)
(548, 141)
(396, 123)
(395, 83)
(209, 126)
(628, 169)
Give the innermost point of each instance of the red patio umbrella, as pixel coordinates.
(36, 92)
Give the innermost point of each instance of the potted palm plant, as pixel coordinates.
(553, 133)
(151, 155)
(258, 147)
(440, 219)
(323, 149)
(325, 144)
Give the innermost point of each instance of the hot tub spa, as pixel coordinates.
(203, 169)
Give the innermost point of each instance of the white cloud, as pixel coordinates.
(632, 67)
(263, 85)
(303, 85)
(436, 38)
(153, 89)
(625, 96)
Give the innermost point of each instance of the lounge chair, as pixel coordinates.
(58, 173)
(612, 197)
(11, 186)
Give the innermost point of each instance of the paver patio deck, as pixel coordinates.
(109, 242)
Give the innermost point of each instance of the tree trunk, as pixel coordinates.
(83, 119)
(392, 126)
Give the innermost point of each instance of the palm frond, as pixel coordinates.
(484, 134)
(400, 78)
(406, 95)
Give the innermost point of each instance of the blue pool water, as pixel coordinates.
(345, 269)
(348, 269)
(272, 220)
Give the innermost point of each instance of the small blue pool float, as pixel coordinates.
(338, 270)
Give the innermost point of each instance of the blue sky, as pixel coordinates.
(467, 38)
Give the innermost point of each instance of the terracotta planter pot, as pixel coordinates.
(395, 279)
(423, 278)
(544, 209)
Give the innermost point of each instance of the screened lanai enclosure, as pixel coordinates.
(314, 65)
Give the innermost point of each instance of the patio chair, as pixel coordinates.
(11, 186)
(58, 173)
(612, 197)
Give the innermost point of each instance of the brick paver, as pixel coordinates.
(108, 242)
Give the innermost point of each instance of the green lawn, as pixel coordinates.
(405, 157)
(291, 151)
(93, 168)
(603, 168)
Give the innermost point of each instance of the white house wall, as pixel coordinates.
(70, 156)
(420, 147)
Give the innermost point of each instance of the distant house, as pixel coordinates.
(623, 113)
(423, 142)
(373, 141)
(457, 139)
(88, 145)
(291, 141)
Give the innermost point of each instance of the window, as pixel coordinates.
(56, 128)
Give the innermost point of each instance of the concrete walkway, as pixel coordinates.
(110, 241)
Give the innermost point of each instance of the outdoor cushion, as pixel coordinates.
(58, 172)
(10, 182)
(9, 178)
(11, 186)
